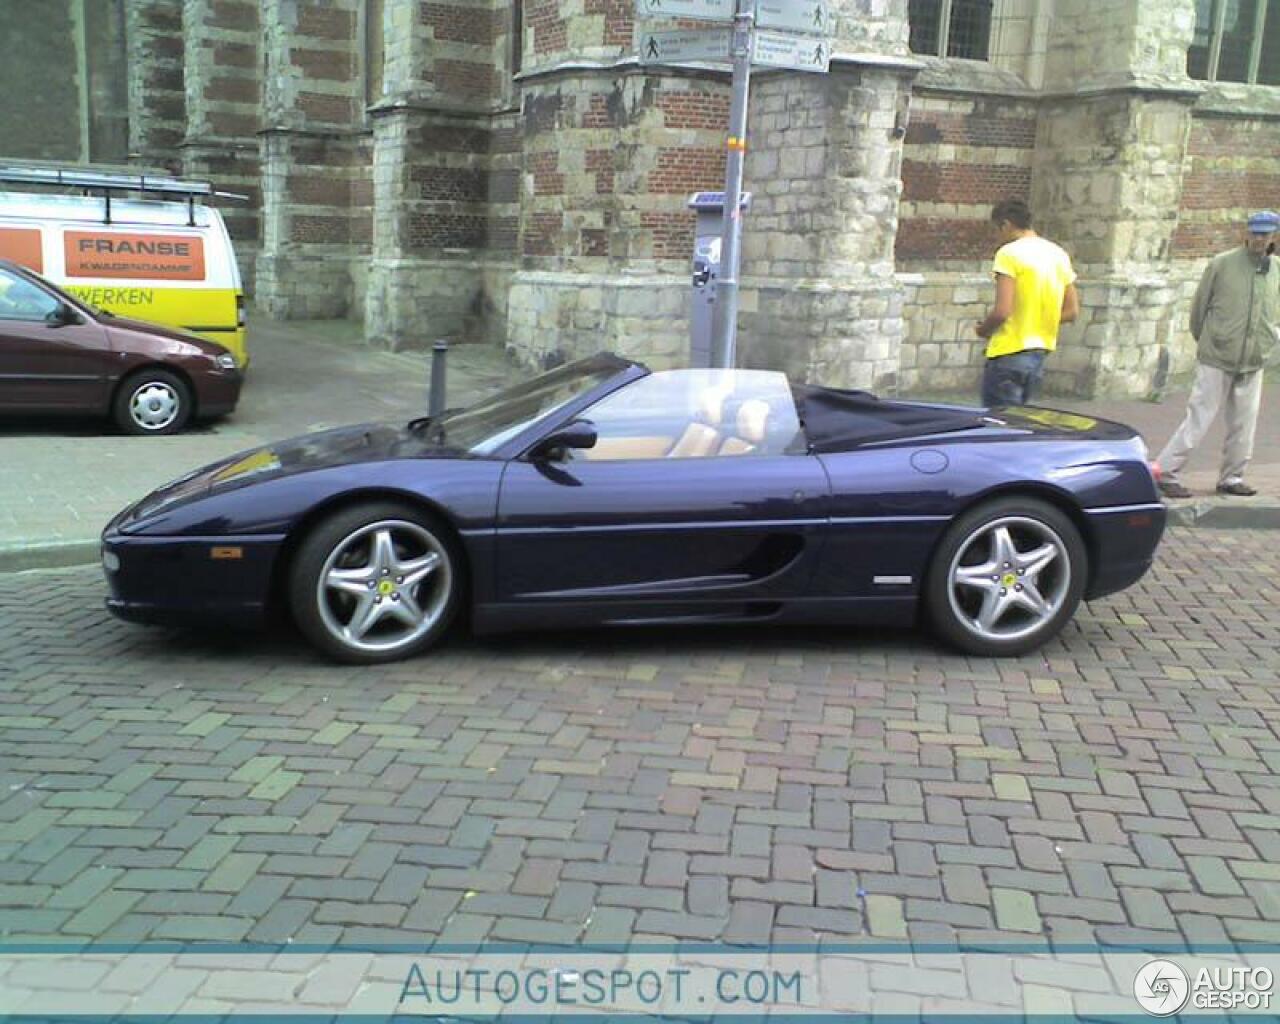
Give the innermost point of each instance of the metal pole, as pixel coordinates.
(724, 343)
(435, 403)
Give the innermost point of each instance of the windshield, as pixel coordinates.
(482, 428)
(72, 300)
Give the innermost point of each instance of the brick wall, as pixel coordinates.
(466, 55)
(1230, 170)
(961, 156)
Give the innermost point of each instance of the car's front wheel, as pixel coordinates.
(152, 401)
(1007, 577)
(374, 583)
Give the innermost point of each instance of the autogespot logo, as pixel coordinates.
(1161, 988)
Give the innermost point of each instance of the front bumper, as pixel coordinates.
(189, 580)
(218, 393)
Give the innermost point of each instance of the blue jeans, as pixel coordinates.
(1013, 379)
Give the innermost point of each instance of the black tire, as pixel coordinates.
(956, 597)
(347, 543)
(152, 402)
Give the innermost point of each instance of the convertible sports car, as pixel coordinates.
(604, 493)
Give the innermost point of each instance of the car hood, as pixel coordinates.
(366, 442)
(152, 330)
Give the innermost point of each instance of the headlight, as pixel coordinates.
(226, 361)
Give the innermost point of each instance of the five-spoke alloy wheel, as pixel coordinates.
(375, 583)
(1006, 577)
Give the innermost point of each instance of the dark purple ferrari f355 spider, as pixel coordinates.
(603, 493)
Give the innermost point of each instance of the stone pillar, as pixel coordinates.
(223, 92)
(1109, 158)
(445, 175)
(825, 164)
(106, 82)
(311, 151)
(157, 92)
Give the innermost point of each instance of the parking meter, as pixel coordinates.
(706, 270)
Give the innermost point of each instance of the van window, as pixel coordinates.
(21, 300)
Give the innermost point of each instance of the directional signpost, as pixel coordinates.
(800, 53)
(807, 16)
(791, 34)
(673, 47)
(698, 10)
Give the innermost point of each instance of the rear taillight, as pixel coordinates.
(240, 311)
(1156, 471)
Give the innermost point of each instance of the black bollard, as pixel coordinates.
(435, 401)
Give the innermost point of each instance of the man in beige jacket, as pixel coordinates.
(1235, 319)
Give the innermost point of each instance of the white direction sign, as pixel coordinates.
(811, 16)
(698, 10)
(668, 47)
(801, 53)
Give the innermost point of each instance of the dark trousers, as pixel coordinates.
(1013, 379)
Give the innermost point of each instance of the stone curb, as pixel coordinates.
(1224, 515)
(48, 555)
(1211, 515)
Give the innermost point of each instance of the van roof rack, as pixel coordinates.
(108, 182)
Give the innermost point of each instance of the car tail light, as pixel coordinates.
(240, 311)
(1156, 472)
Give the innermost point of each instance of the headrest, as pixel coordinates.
(710, 408)
(753, 417)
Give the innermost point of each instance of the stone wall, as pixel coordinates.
(222, 109)
(315, 154)
(609, 162)
(156, 81)
(825, 160)
(447, 157)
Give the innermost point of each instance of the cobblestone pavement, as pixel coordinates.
(742, 785)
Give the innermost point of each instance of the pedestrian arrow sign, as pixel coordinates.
(698, 10)
(672, 47)
(808, 16)
(801, 53)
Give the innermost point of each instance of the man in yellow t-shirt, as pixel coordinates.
(1035, 292)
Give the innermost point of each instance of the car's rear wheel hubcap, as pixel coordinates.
(1009, 578)
(384, 586)
(154, 405)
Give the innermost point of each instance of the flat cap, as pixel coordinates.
(1264, 221)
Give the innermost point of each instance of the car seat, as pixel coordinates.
(702, 436)
(749, 430)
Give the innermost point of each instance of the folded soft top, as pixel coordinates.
(836, 420)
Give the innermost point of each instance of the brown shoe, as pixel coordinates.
(1238, 489)
(1171, 488)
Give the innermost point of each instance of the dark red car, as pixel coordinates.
(61, 355)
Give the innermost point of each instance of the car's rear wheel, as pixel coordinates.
(376, 582)
(152, 401)
(1007, 577)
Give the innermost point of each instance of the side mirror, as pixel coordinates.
(62, 316)
(576, 434)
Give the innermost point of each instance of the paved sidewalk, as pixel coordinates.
(63, 480)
